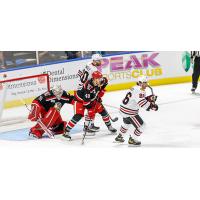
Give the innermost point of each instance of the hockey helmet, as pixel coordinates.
(142, 79)
(97, 75)
(96, 57)
(57, 91)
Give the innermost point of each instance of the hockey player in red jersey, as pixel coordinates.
(134, 100)
(89, 120)
(87, 98)
(45, 109)
(85, 74)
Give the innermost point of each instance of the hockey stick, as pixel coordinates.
(151, 89)
(152, 92)
(47, 131)
(112, 119)
(85, 132)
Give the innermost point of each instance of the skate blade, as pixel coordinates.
(91, 135)
(196, 94)
(118, 142)
(61, 137)
(111, 133)
(134, 145)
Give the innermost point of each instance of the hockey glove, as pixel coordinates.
(99, 99)
(151, 98)
(154, 107)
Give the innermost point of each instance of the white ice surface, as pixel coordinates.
(175, 124)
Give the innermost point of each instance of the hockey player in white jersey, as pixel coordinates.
(134, 100)
(86, 74)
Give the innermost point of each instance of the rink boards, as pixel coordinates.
(122, 71)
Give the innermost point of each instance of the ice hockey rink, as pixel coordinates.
(175, 124)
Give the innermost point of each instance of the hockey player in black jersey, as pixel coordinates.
(87, 98)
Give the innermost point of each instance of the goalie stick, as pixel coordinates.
(85, 132)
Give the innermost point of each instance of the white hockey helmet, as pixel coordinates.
(96, 57)
(142, 79)
(57, 91)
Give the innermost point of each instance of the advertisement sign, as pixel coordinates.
(154, 65)
(122, 71)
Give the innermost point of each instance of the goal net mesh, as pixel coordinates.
(16, 93)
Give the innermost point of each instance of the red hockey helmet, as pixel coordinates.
(97, 75)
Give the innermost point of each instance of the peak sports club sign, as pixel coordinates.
(129, 66)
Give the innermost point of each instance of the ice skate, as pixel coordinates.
(133, 142)
(91, 128)
(67, 135)
(89, 131)
(119, 138)
(193, 90)
(95, 128)
(32, 135)
(112, 130)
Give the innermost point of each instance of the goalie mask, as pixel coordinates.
(57, 91)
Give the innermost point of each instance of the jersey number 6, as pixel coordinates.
(126, 99)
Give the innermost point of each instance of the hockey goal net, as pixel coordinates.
(17, 93)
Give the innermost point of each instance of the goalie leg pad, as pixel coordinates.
(37, 111)
(37, 131)
(51, 117)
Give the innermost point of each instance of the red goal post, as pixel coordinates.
(17, 91)
(28, 77)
